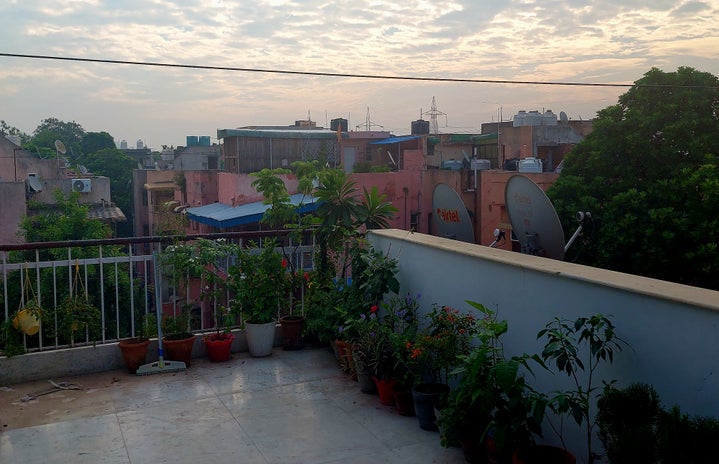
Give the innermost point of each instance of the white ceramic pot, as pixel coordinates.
(260, 338)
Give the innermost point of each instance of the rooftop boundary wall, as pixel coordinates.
(672, 330)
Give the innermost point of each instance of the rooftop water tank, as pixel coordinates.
(530, 164)
(452, 164)
(192, 141)
(204, 141)
(420, 127)
(341, 123)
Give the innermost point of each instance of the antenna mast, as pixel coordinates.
(433, 113)
(368, 123)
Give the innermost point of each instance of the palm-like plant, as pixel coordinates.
(375, 212)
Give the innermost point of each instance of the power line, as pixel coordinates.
(334, 74)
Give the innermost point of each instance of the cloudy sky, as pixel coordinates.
(604, 41)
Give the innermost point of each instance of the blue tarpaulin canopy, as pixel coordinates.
(222, 216)
(390, 140)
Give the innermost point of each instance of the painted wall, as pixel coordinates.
(12, 211)
(672, 330)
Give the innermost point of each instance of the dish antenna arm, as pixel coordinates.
(499, 236)
(581, 217)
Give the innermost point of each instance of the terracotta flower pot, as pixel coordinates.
(292, 332)
(218, 346)
(179, 350)
(134, 352)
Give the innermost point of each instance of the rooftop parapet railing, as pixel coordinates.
(115, 276)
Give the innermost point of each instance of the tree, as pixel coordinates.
(66, 220)
(648, 174)
(117, 166)
(69, 133)
(92, 142)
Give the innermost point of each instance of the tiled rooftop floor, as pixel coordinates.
(291, 407)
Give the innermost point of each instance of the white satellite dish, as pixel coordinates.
(534, 219)
(563, 117)
(34, 183)
(82, 169)
(60, 147)
(452, 218)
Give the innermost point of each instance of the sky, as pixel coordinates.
(604, 41)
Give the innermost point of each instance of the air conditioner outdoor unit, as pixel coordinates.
(81, 185)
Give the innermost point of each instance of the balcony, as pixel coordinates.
(671, 331)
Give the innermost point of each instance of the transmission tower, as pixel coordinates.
(368, 123)
(433, 113)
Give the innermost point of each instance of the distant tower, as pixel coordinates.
(433, 113)
(140, 144)
(123, 144)
(368, 124)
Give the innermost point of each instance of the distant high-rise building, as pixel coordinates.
(123, 145)
(140, 144)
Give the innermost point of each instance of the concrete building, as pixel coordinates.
(24, 177)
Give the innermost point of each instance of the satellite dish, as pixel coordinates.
(60, 147)
(82, 168)
(563, 117)
(35, 183)
(453, 220)
(534, 219)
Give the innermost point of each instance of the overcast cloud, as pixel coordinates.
(609, 41)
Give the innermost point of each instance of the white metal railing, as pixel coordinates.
(119, 283)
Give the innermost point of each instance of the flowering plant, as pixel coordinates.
(439, 348)
(259, 282)
(367, 337)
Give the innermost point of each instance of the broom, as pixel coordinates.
(160, 366)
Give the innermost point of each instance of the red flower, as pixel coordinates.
(284, 263)
(373, 309)
(307, 276)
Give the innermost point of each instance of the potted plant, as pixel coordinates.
(364, 335)
(259, 284)
(437, 351)
(76, 315)
(134, 349)
(628, 423)
(178, 340)
(564, 348)
(491, 412)
(219, 343)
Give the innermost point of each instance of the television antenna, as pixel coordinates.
(59, 149)
(535, 221)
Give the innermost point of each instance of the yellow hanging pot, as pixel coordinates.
(26, 321)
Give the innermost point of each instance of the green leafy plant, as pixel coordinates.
(177, 326)
(628, 422)
(563, 348)
(258, 280)
(78, 316)
(440, 346)
(492, 397)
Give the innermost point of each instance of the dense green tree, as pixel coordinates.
(648, 174)
(92, 142)
(117, 166)
(69, 133)
(65, 220)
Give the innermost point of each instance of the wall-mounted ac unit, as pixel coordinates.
(81, 185)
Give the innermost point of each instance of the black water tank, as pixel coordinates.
(420, 127)
(339, 122)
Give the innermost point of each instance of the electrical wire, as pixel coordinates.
(337, 74)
